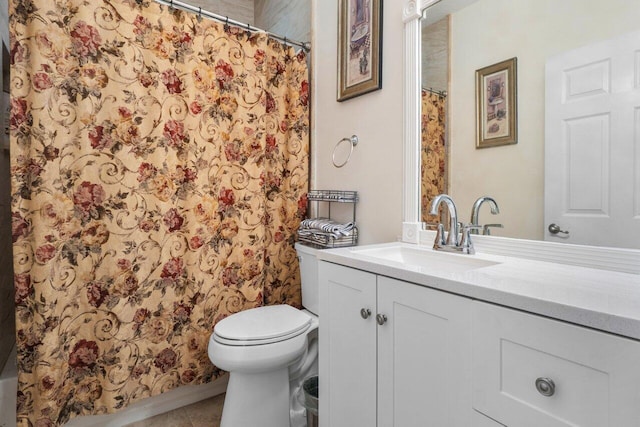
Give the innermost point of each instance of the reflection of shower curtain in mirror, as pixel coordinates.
(159, 171)
(433, 151)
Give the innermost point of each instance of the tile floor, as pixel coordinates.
(205, 413)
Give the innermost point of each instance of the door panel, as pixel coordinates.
(592, 145)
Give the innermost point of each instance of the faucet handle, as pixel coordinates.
(466, 244)
(440, 236)
(486, 228)
(440, 239)
(468, 227)
(439, 227)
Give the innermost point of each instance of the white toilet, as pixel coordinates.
(268, 352)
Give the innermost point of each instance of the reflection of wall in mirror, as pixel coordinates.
(532, 30)
(435, 55)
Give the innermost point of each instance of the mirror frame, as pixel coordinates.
(411, 15)
(413, 231)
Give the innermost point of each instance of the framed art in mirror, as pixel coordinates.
(359, 47)
(496, 98)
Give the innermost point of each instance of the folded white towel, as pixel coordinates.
(328, 226)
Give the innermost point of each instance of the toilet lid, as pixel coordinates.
(263, 324)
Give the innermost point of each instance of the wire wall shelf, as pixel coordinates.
(332, 196)
(324, 239)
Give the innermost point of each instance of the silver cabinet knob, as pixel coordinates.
(365, 313)
(545, 386)
(381, 319)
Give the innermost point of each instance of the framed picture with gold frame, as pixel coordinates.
(359, 47)
(496, 99)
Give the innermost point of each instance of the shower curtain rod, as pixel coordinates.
(437, 92)
(306, 46)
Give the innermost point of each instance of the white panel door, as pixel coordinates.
(592, 144)
(424, 357)
(347, 347)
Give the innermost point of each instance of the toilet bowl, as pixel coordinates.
(268, 352)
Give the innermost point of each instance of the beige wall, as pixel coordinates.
(514, 174)
(239, 10)
(375, 168)
(291, 19)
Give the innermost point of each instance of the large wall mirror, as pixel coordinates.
(587, 41)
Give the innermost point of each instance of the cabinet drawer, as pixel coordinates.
(591, 378)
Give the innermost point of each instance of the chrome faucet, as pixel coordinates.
(452, 236)
(475, 214)
(453, 241)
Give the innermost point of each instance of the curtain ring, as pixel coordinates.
(200, 12)
(285, 40)
(226, 23)
(353, 141)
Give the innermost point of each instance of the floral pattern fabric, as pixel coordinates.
(159, 173)
(433, 151)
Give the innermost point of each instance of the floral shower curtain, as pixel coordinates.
(433, 151)
(159, 172)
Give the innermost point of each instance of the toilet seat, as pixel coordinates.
(262, 325)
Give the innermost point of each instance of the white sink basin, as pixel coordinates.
(426, 259)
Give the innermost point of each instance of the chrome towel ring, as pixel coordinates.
(353, 141)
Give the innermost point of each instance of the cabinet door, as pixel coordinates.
(347, 347)
(424, 357)
(586, 377)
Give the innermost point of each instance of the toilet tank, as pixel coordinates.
(309, 277)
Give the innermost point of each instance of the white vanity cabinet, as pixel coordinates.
(532, 371)
(392, 353)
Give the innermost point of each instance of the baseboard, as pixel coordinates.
(146, 408)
